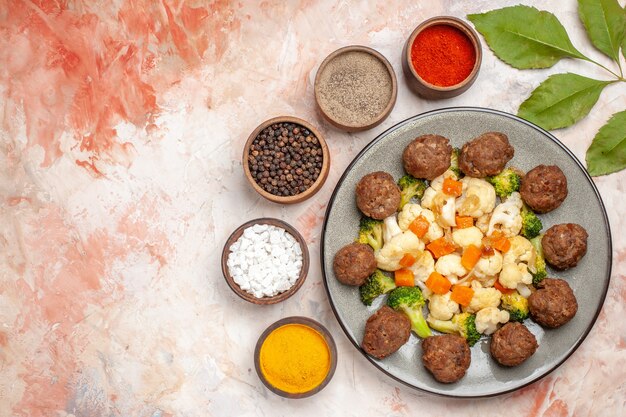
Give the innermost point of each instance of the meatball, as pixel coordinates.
(354, 263)
(447, 357)
(544, 188)
(485, 155)
(512, 344)
(427, 156)
(385, 332)
(564, 245)
(553, 304)
(377, 195)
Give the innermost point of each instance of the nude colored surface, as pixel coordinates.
(121, 127)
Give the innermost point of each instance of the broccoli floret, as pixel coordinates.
(463, 324)
(409, 300)
(538, 270)
(410, 187)
(376, 285)
(516, 305)
(371, 232)
(454, 162)
(505, 182)
(531, 224)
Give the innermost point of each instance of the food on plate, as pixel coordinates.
(409, 301)
(544, 188)
(285, 159)
(385, 332)
(376, 285)
(265, 261)
(354, 263)
(294, 358)
(377, 195)
(427, 156)
(564, 245)
(468, 248)
(512, 344)
(485, 155)
(553, 304)
(447, 357)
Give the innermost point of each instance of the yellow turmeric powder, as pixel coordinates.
(294, 358)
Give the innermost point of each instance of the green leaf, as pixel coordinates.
(605, 23)
(561, 100)
(607, 152)
(525, 37)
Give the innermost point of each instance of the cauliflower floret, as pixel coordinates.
(488, 266)
(410, 212)
(468, 236)
(478, 198)
(483, 298)
(390, 228)
(506, 217)
(450, 267)
(422, 268)
(441, 307)
(514, 274)
(442, 205)
(483, 223)
(389, 256)
(488, 319)
(521, 251)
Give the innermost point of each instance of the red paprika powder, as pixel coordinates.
(443, 55)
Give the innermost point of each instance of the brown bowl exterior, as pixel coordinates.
(278, 297)
(318, 182)
(317, 327)
(426, 89)
(386, 111)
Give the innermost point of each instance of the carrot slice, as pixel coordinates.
(440, 247)
(502, 289)
(502, 244)
(437, 283)
(464, 221)
(471, 256)
(462, 295)
(452, 187)
(419, 226)
(407, 260)
(404, 278)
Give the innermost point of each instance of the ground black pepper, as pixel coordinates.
(285, 159)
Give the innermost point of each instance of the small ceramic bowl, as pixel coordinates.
(309, 191)
(327, 110)
(430, 91)
(328, 338)
(278, 297)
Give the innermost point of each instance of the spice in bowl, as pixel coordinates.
(355, 88)
(265, 261)
(295, 357)
(285, 159)
(443, 55)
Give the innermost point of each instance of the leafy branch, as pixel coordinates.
(527, 38)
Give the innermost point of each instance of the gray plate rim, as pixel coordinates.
(548, 135)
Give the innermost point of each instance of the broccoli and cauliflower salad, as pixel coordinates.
(469, 248)
(454, 248)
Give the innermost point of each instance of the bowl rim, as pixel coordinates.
(455, 22)
(383, 114)
(236, 234)
(315, 325)
(317, 184)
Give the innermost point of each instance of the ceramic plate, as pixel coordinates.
(589, 280)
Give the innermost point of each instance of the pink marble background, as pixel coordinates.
(121, 128)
